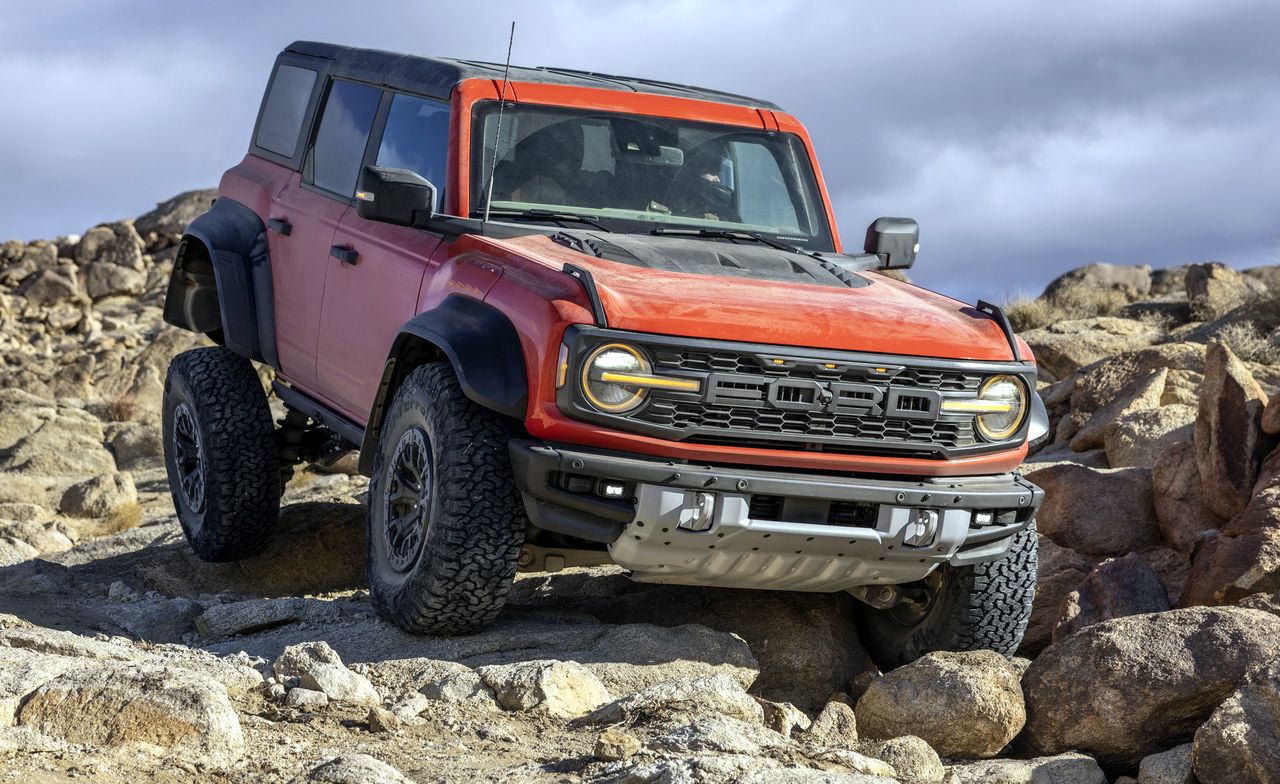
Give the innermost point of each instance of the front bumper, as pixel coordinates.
(731, 527)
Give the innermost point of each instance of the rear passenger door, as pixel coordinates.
(369, 297)
(305, 216)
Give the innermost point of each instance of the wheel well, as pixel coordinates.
(192, 299)
(408, 352)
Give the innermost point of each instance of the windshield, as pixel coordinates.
(632, 173)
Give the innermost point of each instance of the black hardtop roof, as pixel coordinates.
(437, 76)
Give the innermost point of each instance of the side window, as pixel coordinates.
(282, 114)
(417, 138)
(334, 160)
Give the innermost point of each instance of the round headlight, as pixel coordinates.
(1010, 395)
(610, 396)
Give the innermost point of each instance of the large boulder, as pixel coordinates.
(1059, 572)
(119, 704)
(1126, 688)
(1181, 511)
(1062, 769)
(1225, 569)
(1214, 289)
(1240, 743)
(1140, 397)
(1230, 445)
(1106, 380)
(1066, 346)
(52, 286)
(966, 705)
(1138, 438)
(163, 226)
(1097, 511)
(1115, 588)
(1131, 282)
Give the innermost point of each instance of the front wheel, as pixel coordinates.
(984, 606)
(445, 520)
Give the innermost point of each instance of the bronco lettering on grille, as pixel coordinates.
(790, 394)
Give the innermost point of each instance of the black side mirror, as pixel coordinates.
(394, 196)
(895, 240)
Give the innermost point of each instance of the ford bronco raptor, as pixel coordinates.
(568, 318)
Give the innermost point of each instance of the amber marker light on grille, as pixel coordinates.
(562, 375)
(651, 382)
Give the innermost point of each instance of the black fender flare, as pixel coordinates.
(481, 344)
(232, 240)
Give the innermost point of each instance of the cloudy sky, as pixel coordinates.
(1027, 138)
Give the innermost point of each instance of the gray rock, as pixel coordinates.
(53, 285)
(560, 688)
(115, 243)
(317, 666)
(1226, 569)
(436, 681)
(352, 769)
(1240, 743)
(253, 615)
(1168, 767)
(711, 694)
(718, 734)
(163, 226)
(306, 699)
(1129, 687)
(965, 705)
(1067, 768)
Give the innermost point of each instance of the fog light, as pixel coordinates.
(984, 518)
(611, 489)
(922, 529)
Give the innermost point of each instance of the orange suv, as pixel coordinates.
(570, 318)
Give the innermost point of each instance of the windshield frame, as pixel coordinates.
(805, 176)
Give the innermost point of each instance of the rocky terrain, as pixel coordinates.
(1154, 652)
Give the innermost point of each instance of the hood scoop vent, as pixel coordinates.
(711, 257)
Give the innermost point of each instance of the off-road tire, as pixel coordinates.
(459, 578)
(984, 606)
(216, 394)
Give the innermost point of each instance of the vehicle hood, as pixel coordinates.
(757, 294)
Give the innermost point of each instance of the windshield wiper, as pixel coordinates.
(539, 214)
(729, 234)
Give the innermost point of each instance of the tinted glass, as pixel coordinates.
(633, 171)
(342, 136)
(286, 104)
(417, 138)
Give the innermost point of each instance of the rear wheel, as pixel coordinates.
(220, 454)
(984, 606)
(445, 521)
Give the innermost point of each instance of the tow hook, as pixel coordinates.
(700, 513)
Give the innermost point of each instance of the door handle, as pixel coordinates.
(344, 254)
(280, 226)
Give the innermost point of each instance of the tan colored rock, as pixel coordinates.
(1240, 743)
(1181, 511)
(382, 720)
(1097, 512)
(1214, 289)
(1271, 416)
(1229, 442)
(99, 497)
(1059, 571)
(1115, 588)
(53, 285)
(1129, 687)
(308, 700)
(1103, 382)
(1182, 388)
(564, 689)
(1138, 438)
(1066, 346)
(967, 705)
(1225, 569)
(836, 725)
(317, 666)
(783, 717)
(717, 734)
(616, 744)
(124, 704)
(1132, 282)
(1141, 396)
(914, 761)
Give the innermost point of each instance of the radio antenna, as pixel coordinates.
(497, 134)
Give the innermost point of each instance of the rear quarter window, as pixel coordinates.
(285, 109)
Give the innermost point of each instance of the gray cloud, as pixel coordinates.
(1026, 138)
